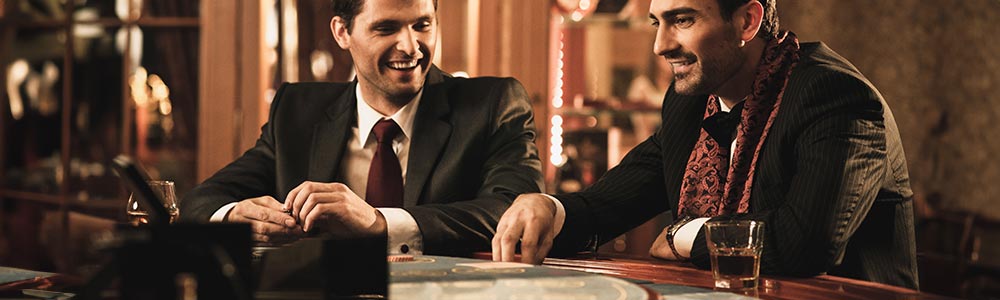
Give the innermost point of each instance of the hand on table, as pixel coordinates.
(660, 248)
(530, 221)
(270, 224)
(334, 208)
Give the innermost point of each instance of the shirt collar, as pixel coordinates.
(368, 116)
(725, 108)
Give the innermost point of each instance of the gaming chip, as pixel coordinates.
(400, 258)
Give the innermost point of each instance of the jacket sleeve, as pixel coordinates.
(638, 188)
(511, 167)
(625, 197)
(250, 175)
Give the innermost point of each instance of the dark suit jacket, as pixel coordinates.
(831, 186)
(472, 152)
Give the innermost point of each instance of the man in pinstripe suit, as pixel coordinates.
(755, 126)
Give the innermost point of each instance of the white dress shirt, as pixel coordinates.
(684, 238)
(404, 233)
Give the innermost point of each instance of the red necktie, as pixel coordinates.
(385, 177)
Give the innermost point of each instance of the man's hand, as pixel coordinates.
(529, 220)
(660, 248)
(270, 224)
(334, 208)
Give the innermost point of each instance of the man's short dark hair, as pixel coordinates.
(768, 23)
(348, 9)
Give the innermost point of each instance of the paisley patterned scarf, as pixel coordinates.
(705, 191)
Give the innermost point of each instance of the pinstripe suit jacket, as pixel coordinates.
(831, 183)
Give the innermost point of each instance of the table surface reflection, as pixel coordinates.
(771, 287)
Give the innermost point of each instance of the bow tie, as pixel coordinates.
(722, 125)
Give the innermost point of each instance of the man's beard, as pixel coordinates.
(711, 71)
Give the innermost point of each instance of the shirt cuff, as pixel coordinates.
(220, 215)
(684, 238)
(404, 234)
(560, 217)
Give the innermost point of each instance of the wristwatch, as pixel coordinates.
(672, 230)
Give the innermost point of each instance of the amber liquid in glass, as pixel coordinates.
(736, 268)
(142, 218)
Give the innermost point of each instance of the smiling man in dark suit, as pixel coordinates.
(406, 150)
(755, 126)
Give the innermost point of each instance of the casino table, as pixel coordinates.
(611, 278)
(584, 277)
(437, 277)
(677, 280)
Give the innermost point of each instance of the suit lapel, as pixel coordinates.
(330, 137)
(430, 134)
(681, 126)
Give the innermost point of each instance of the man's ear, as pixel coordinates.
(749, 18)
(340, 32)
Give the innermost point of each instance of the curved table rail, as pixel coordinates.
(771, 287)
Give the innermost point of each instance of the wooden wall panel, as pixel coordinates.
(515, 39)
(453, 18)
(253, 76)
(218, 82)
(232, 81)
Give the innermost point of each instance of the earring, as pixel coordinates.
(742, 43)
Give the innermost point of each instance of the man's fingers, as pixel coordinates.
(545, 244)
(254, 211)
(543, 249)
(242, 211)
(290, 199)
(275, 233)
(529, 222)
(530, 240)
(269, 225)
(269, 202)
(308, 189)
(320, 212)
(267, 228)
(508, 241)
(502, 228)
(307, 207)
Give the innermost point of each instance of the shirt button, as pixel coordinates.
(404, 249)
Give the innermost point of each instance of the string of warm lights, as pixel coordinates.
(556, 150)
